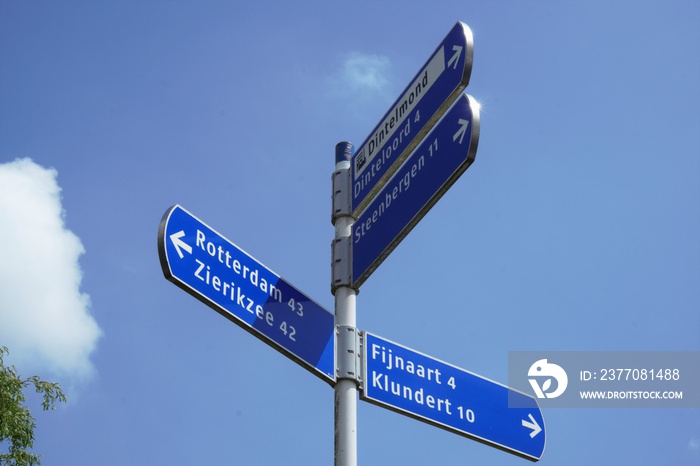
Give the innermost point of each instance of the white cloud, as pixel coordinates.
(366, 72)
(694, 445)
(362, 84)
(45, 319)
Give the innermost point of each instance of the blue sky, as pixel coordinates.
(576, 228)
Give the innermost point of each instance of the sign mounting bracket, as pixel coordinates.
(349, 354)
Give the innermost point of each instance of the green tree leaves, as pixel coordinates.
(16, 422)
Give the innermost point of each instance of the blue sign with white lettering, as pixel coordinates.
(220, 274)
(447, 151)
(414, 113)
(432, 391)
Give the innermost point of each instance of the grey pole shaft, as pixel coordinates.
(345, 390)
(345, 318)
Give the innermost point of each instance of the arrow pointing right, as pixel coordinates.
(458, 51)
(463, 125)
(176, 238)
(536, 429)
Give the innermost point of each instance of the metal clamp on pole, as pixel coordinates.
(348, 363)
(341, 272)
(342, 202)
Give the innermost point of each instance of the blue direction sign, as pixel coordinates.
(447, 151)
(420, 105)
(432, 391)
(217, 272)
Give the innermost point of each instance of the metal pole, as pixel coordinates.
(345, 390)
(347, 350)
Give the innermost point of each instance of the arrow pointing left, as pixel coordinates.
(176, 238)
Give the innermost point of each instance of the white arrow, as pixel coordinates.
(536, 429)
(455, 58)
(179, 244)
(463, 125)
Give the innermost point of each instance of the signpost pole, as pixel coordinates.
(426, 140)
(345, 388)
(347, 337)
